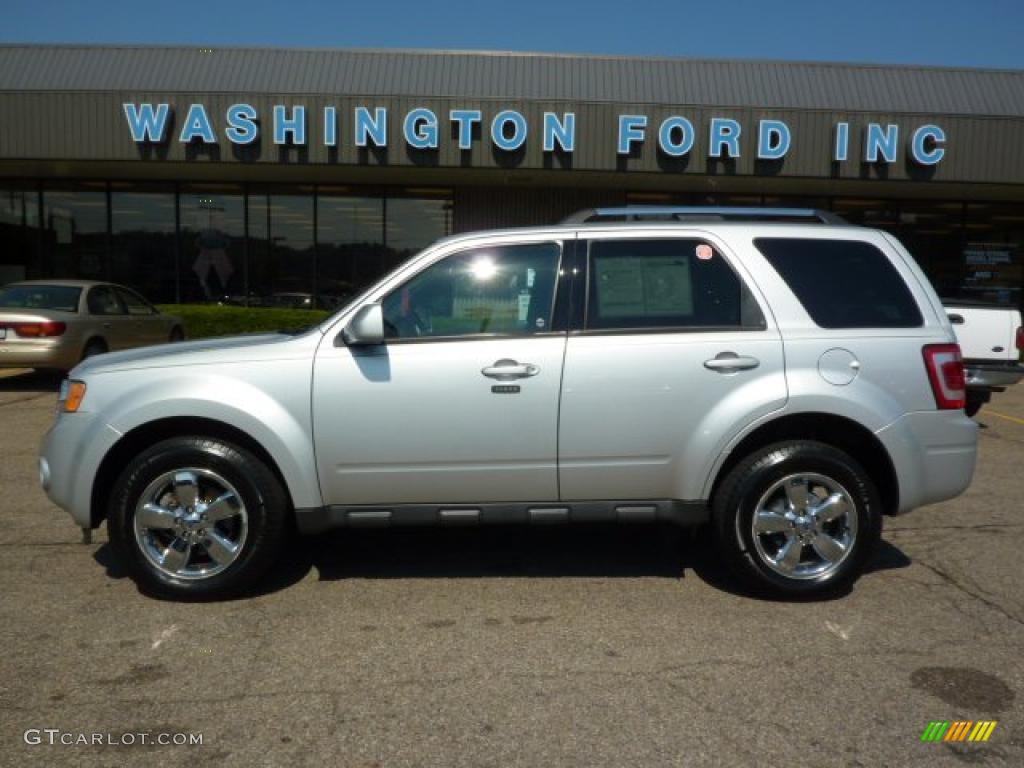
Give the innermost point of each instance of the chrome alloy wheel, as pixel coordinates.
(804, 526)
(190, 523)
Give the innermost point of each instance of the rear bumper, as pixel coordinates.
(993, 375)
(934, 453)
(43, 354)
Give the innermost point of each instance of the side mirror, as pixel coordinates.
(366, 328)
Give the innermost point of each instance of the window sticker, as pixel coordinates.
(705, 252)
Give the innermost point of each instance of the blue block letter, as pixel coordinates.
(773, 139)
(145, 123)
(724, 133)
(242, 128)
(563, 132)
(465, 118)
(842, 147)
(919, 148)
(631, 128)
(519, 130)
(879, 141)
(197, 126)
(420, 129)
(295, 126)
(686, 136)
(373, 129)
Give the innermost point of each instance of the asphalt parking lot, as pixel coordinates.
(546, 647)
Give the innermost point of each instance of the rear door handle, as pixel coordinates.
(730, 362)
(956, 319)
(508, 370)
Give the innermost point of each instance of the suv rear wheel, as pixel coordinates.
(197, 517)
(797, 518)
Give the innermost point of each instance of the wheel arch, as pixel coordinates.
(138, 439)
(840, 432)
(95, 337)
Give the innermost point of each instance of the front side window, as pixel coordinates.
(503, 290)
(666, 284)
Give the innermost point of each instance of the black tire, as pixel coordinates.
(265, 501)
(94, 347)
(738, 495)
(177, 334)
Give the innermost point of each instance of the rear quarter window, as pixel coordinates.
(843, 283)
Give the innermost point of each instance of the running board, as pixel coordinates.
(686, 513)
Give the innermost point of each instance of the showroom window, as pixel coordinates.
(282, 254)
(75, 233)
(993, 254)
(144, 240)
(413, 223)
(19, 234)
(213, 263)
(350, 245)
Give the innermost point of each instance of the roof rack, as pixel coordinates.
(701, 213)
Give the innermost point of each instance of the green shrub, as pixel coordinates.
(204, 320)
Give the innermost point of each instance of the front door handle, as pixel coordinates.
(509, 370)
(730, 362)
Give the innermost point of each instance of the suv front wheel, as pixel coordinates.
(197, 517)
(797, 518)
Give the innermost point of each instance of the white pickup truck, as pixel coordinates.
(991, 341)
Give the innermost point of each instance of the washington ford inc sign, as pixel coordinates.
(509, 131)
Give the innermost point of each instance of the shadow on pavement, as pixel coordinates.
(581, 551)
(30, 381)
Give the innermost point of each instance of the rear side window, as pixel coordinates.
(667, 284)
(843, 283)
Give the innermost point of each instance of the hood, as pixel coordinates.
(215, 351)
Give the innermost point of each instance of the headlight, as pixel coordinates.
(71, 395)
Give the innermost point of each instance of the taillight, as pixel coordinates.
(39, 330)
(1020, 339)
(946, 373)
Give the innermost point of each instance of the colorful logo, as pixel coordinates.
(959, 730)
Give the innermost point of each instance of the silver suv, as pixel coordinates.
(787, 378)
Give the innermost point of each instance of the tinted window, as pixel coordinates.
(507, 290)
(665, 284)
(843, 283)
(61, 297)
(102, 301)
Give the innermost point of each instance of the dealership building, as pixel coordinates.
(258, 175)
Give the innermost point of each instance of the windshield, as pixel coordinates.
(59, 297)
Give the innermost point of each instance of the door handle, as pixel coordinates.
(956, 319)
(508, 370)
(730, 362)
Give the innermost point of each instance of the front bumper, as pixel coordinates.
(993, 375)
(69, 460)
(933, 453)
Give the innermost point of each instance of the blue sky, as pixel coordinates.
(983, 33)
